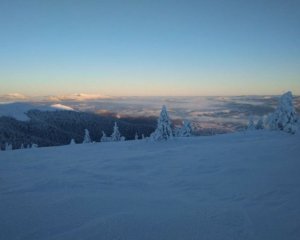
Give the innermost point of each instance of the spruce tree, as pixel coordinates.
(8, 147)
(116, 136)
(136, 136)
(251, 125)
(163, 130)
(186, 129)
(87, 138)
(260, 124)
(284, 118)
(104, 138)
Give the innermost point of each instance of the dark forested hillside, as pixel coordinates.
(53, 128)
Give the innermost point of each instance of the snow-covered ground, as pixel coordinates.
(236, 186)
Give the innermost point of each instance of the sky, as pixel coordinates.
(150, 48)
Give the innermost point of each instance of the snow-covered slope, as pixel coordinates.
(238, 186)
(18, 110)
(59, 106)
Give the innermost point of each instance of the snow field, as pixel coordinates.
(234, 186)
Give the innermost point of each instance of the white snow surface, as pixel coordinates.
(237, 186)
(59, 106)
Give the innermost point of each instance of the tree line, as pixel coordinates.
(284, 118)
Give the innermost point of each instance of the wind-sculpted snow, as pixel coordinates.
(239, 186)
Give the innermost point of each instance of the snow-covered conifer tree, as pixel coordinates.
(87, 138)
(251, 125)
(185, 130)
(22, 146)
(72, 142)
(284, 118)
(176, 131)
(260, 124)
(163, 130)
(116, 135)
(8, 147)
(136, 136)
(104, 138)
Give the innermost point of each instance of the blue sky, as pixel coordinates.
(150, 47)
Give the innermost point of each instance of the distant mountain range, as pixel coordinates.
(12, 97)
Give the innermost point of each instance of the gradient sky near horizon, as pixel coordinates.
(150, 47)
